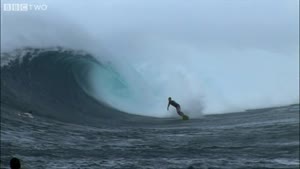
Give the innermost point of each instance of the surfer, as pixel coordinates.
(176, 105)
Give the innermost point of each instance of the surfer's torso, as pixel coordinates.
(173, 103)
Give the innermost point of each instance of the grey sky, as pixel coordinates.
(269, 24)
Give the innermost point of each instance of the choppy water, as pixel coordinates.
(255, 139)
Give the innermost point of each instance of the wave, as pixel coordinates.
(56, 82)
(209, 73)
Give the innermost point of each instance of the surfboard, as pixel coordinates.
(185, 117)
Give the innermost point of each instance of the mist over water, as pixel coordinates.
(240, 55)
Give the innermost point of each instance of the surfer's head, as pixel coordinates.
(170, 98)
(15, 163)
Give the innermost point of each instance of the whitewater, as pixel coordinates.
(90, 90)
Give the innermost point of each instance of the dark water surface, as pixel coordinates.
(254, 139)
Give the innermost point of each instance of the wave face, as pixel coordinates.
(56, 83)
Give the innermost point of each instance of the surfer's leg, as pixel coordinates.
(180, 113)
(178, 109)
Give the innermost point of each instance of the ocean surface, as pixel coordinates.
(51, 119)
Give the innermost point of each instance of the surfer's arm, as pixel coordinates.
(168, 106)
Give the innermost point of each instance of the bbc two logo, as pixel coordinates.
(24, 7)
